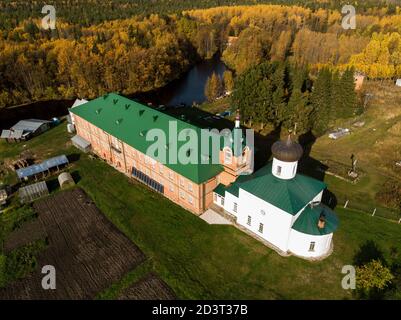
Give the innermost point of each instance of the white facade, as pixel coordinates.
(77, 103)
(284, 170)
(273, 224)
(309, 246)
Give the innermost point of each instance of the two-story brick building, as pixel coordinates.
(117, 128)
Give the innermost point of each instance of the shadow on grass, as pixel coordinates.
(367, 252)
(76, 176)
(73, 157)
(52, 184)
(314, 168)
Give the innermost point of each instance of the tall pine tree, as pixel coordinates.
(349, 101)
(321, 102)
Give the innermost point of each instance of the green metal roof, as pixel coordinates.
(288, 195)
(220, 189)
(233, 189)
(308, 220)
(129, 121)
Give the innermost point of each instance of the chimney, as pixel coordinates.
(322, 221)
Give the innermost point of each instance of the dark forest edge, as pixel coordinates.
(85, 13)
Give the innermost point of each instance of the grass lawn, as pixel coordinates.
(376, 147)
(209, 262)
(217, 106)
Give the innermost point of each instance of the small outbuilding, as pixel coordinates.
(65, 180)
(340, 132)
(81, 143)
(25, 129)
(33, 191)
(40, 170)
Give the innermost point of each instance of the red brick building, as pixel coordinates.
(117, 128)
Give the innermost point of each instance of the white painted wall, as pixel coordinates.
(276, 222)
(288, 169)
(229, 203)
(218, 200)
(299, 244)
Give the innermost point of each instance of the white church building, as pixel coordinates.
(281, 206)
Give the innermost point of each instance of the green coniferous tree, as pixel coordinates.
(336, 98)
(279, 94)
(297, 111)
(349, 101)
(321, 102)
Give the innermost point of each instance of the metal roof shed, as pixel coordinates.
(46, 165)
(31, 125)
(33, 192)
(81, 143)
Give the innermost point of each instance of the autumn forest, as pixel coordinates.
(138, 53)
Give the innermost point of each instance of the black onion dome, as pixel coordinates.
(288, 151)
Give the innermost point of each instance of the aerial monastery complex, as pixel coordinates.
(275, 204)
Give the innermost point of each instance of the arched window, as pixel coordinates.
(228, 155)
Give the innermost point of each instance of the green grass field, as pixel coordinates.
(376, 147)
(209, 262)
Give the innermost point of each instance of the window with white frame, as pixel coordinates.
(190, 187)
(190, 199)
(261, 227)
(181, 182)
(249, 221)
(235, 207)
(215, 197)
(278, 170)
(170, 175)
(312, 246)
(171, 188)
(182, 195)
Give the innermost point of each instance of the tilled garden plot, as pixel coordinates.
(151, 287)
(88, 252)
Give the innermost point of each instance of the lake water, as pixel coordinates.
(189, 88)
